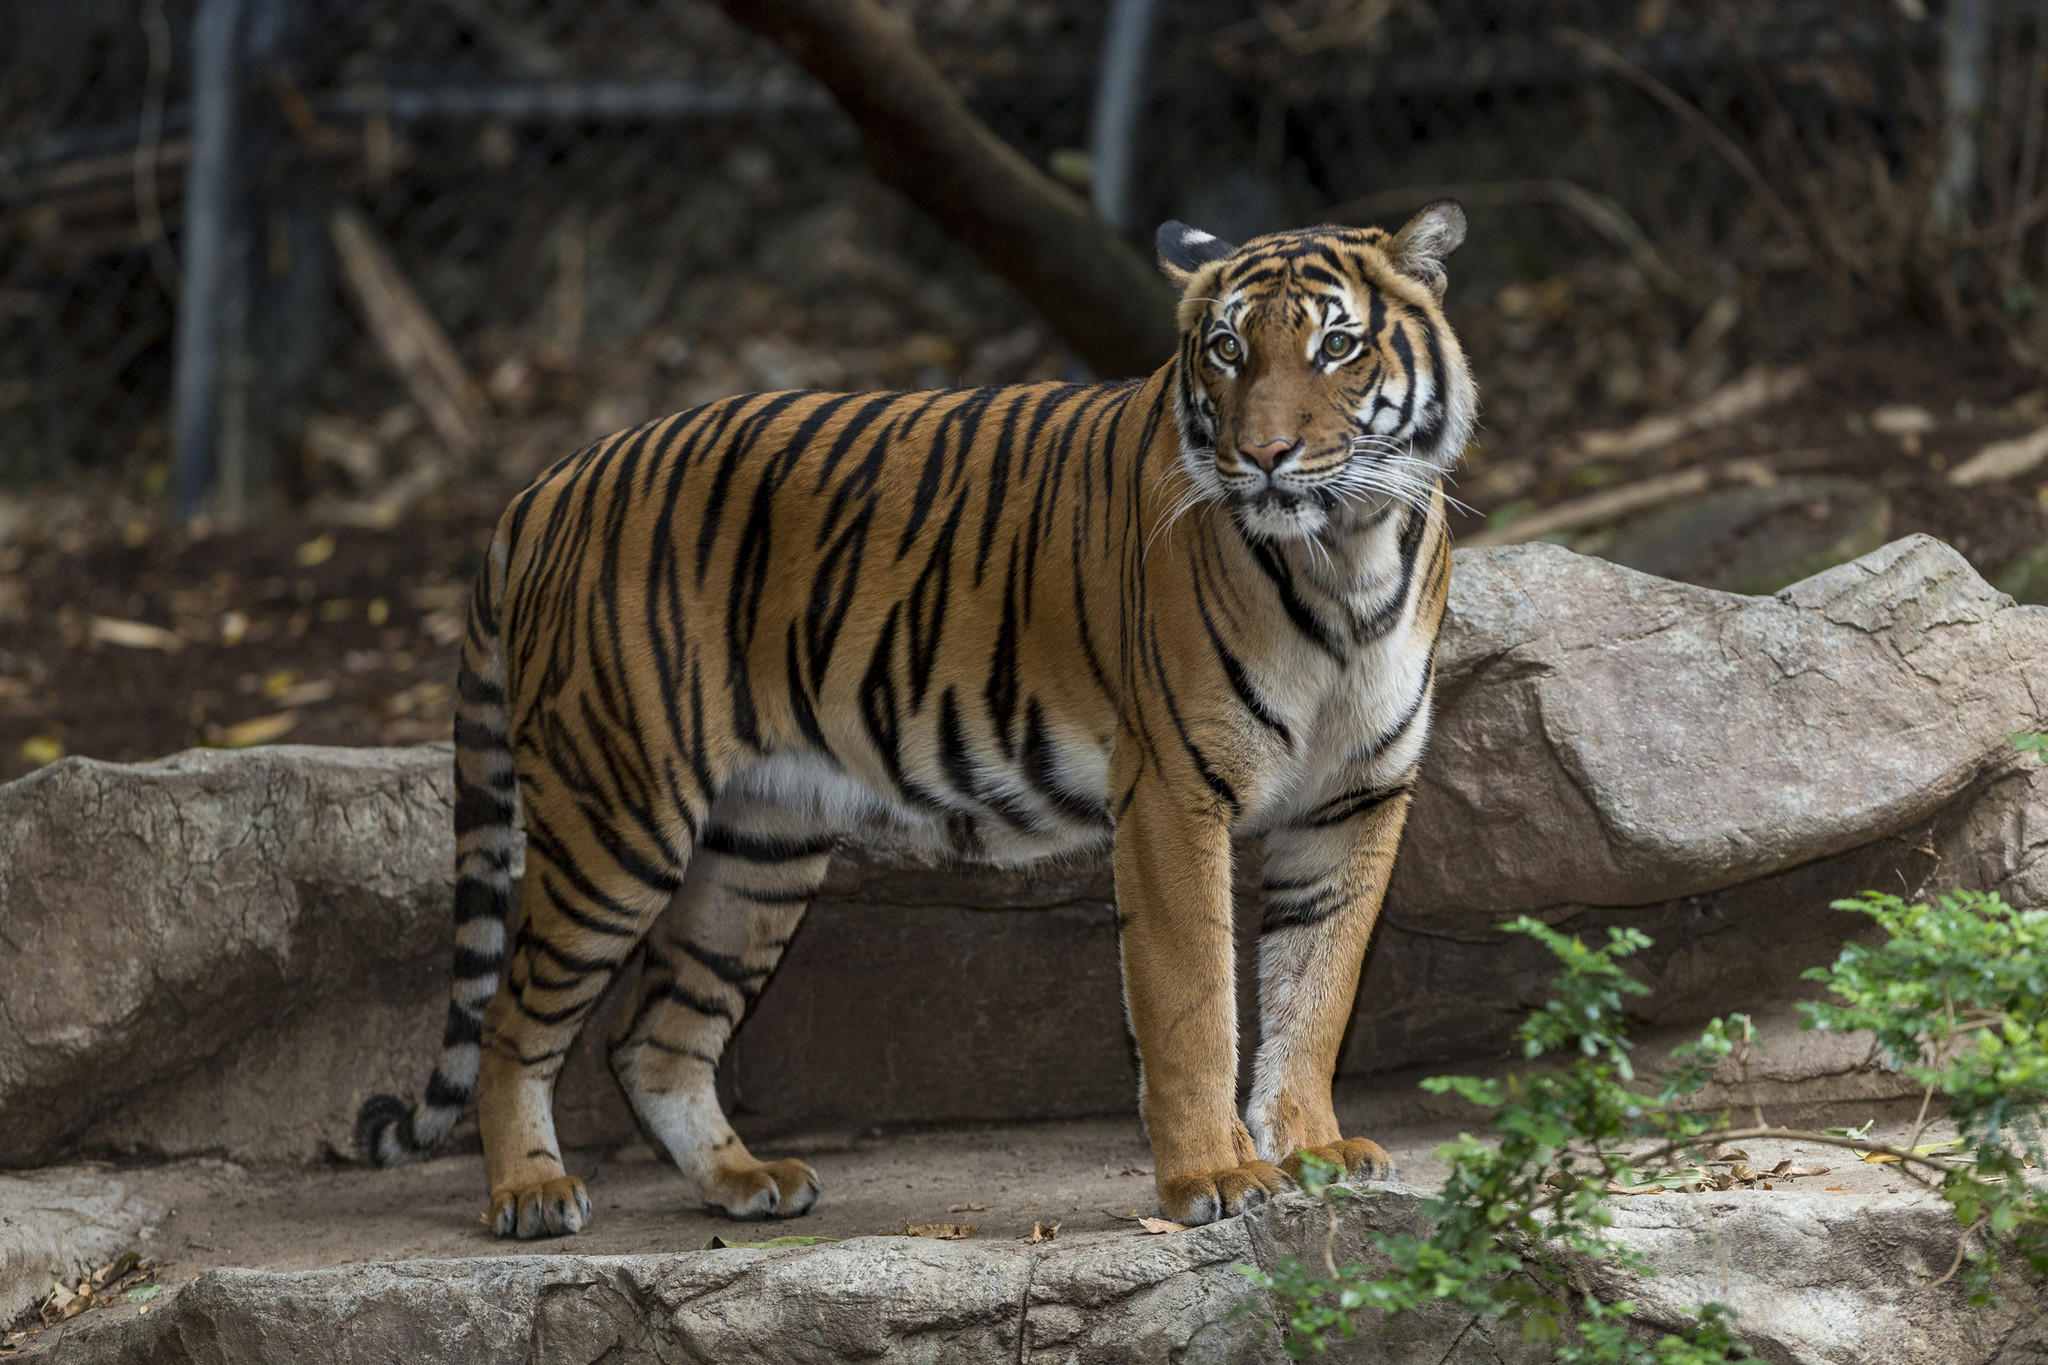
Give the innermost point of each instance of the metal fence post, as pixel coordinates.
(1119, 110)
(214, 246)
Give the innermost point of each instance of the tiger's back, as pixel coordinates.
(1000, 623)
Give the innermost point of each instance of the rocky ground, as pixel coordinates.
(1002, 1196)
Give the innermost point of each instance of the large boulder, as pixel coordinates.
(225, 952)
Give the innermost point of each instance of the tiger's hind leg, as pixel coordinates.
(582, 917)
(754, 873)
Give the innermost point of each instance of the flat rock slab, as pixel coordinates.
(339, 1264)
(61, 1224)
(363, 1266)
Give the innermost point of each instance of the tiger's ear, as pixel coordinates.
(1418, 249)
(1183, 251)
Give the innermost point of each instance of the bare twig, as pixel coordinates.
(149, 147)
(1688, 112)
(411, 340)
(1597, 211)
(2007, 459)
(1614, 503)
(1962, 1249)
(1758, 389)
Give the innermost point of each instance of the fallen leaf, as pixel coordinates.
(249, 733)
(1878, 1158)
(144, 1293)
(944, 1232)
(115, 1269)
(1836, 1189)
(110, 630)
(41, 749)
(1789, 1171)
(966, 1208)
(1044, 1232)
(793, 1240)
(307, 693)
(318, 550)
(1161, 1225)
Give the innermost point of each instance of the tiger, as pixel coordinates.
(1001, 624)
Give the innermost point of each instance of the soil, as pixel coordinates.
(1091, 1178)
(312, 628)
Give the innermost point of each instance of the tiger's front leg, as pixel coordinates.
(1174, 908)
(1323, 887)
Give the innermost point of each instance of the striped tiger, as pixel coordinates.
(1003, 624)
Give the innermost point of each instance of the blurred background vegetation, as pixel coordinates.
(295, 293)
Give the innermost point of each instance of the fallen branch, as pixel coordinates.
(1723, 145)
(1102, 297)
(411, 340)
(1597, 211)
(1615, 503)
(2006, 459)
(1754, 391)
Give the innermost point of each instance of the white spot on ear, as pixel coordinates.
(1193, 237)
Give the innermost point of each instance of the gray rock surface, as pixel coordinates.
(1822, 1280)
(161, 915)
(226, 951)
(61, 1224)
(1814, 1285)
(1607, 738)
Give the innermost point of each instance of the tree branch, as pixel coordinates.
(1098, 294)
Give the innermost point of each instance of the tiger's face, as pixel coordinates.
(1318, 380)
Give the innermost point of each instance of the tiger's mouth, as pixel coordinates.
(1275, 514)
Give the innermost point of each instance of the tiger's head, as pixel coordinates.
(1318, 381)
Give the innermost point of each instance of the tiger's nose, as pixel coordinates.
(1269, 455)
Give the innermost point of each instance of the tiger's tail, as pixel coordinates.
(391, 1130)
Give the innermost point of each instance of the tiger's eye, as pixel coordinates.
(1337, 345)
(1228, 348)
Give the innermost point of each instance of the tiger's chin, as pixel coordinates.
(1275, 516)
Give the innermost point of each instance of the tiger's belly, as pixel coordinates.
(870, 813)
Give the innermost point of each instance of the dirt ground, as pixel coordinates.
(125, 639)
(1091, 1178)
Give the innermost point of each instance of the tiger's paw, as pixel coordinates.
(1357, 1158)
(769, 1189)
(545, 1208)
(1210, 1195)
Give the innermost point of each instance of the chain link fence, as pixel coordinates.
(387, 240)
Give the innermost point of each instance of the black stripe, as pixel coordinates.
(478, 808)
(1240, 682)
(471, 965)
(1299, 912)
(1001, 692)
(475, 690)
(1305, 620)
(725, 966)
(762, 848)
(735, 450)
(800, 697)
(1351, 805)
(928, 598)
(477, 899)
(1041, 769)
